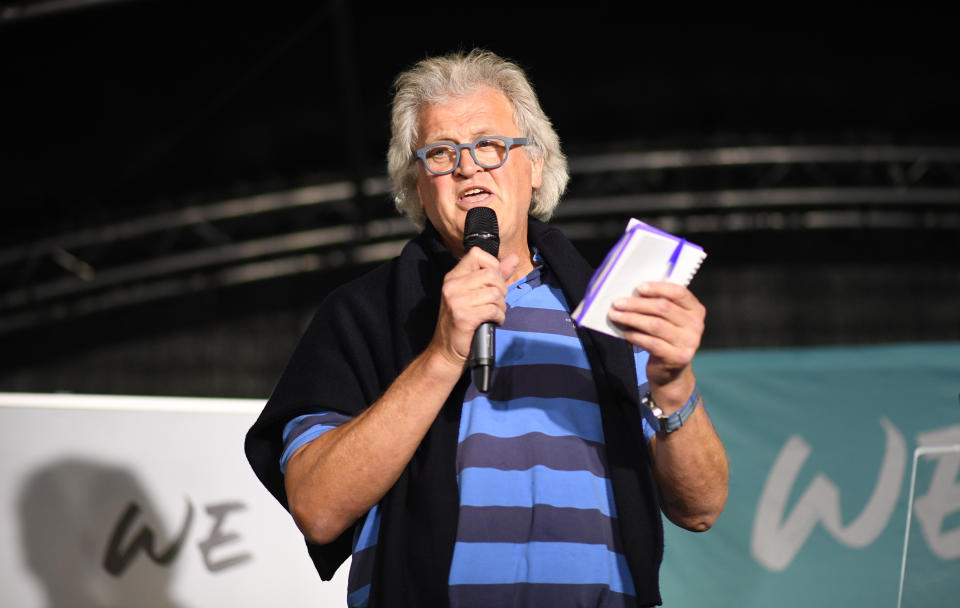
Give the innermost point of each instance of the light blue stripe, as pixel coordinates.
(359, 598)
(369, 532)
(301, 440)
(649, 423)
(532, 348)
(551, 416)
(483, 487)
(540, 562)
(640, 358)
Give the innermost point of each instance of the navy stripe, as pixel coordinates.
(361, 569)
(537, 594)
(544, 523)
(548, 381)
(536, 276)
(305, 422)
(540, 320)
(521, 348)
(566, 453)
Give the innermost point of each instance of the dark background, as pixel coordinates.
(122, 110)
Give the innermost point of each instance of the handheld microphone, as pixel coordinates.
(481, 230)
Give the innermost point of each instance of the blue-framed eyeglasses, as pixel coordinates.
(443, 157)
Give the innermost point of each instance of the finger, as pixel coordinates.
(662, 308)
(489, 295)
(476, 259)
(659, 349)
(481, 259)
(475, 280)
(678, 294)
(679, 336)
(468, 311)
(476, 290)
(481, 268)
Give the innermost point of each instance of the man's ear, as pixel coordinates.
(536, 172)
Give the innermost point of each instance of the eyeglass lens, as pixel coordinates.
(488, 153)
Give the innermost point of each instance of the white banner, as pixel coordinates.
(134, 501)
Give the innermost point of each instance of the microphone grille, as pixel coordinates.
(482, 230)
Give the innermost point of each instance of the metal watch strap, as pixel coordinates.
(674, 421)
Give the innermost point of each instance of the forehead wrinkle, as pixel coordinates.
(482, 126)
(479, 128)
(471, 137)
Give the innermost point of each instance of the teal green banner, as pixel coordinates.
(821, 444)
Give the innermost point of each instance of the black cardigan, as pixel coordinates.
(363, 335)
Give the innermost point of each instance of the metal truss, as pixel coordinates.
(323, 227)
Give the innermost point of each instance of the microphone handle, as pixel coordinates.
(482, 354)
(480, 229)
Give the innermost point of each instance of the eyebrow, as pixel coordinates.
(474, 135)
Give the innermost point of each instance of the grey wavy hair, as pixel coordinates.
(439, 80)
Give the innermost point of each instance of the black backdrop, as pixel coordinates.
(125, 109)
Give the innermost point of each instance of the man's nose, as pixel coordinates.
(467, 166)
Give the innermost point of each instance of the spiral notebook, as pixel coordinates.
(643, 253)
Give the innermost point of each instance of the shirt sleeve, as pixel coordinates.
(303, 429)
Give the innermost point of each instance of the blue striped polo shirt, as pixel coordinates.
(538, 522)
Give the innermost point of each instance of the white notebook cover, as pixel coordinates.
(643, 253)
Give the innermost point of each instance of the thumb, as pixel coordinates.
(508, 265)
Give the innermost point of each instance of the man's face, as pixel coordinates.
(507, 189)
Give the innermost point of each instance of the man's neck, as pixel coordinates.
(525, 266)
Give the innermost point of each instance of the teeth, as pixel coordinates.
(473, 191)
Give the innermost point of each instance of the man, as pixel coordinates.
(548, 489)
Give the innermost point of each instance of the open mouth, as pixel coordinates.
(474, 195)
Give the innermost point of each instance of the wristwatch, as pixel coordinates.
(674, 421)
